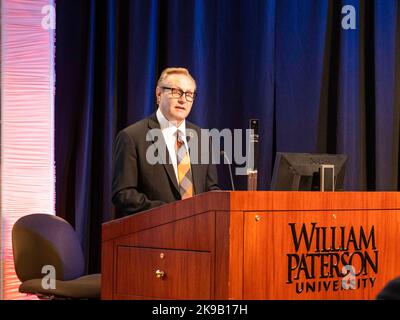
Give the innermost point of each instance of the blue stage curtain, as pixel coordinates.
(315, 86)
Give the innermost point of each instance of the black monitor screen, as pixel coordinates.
(300, 171)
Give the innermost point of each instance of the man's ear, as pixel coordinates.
(158, 95)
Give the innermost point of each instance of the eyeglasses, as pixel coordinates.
(177, 93)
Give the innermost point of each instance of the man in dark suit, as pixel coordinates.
(139, 182)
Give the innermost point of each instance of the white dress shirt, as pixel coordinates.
(169, 131)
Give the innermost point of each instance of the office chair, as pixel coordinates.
(44, 243)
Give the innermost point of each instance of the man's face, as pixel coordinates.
(173, 108)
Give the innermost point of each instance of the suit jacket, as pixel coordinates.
(139, 185)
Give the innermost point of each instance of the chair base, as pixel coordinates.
(86, 287)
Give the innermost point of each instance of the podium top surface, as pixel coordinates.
(231, 201)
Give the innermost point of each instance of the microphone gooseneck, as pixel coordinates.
(230, 169)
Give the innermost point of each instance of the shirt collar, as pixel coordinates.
(166, 124)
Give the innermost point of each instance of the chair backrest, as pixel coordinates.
(42, 239)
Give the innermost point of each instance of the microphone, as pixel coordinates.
(223, 153)
(253, 153)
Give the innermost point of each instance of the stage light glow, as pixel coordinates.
(27, 122)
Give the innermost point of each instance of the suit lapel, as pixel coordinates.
(196, 174)
(169, 168)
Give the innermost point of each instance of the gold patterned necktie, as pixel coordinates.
(184, 174)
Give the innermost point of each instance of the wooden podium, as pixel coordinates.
(255, 245)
